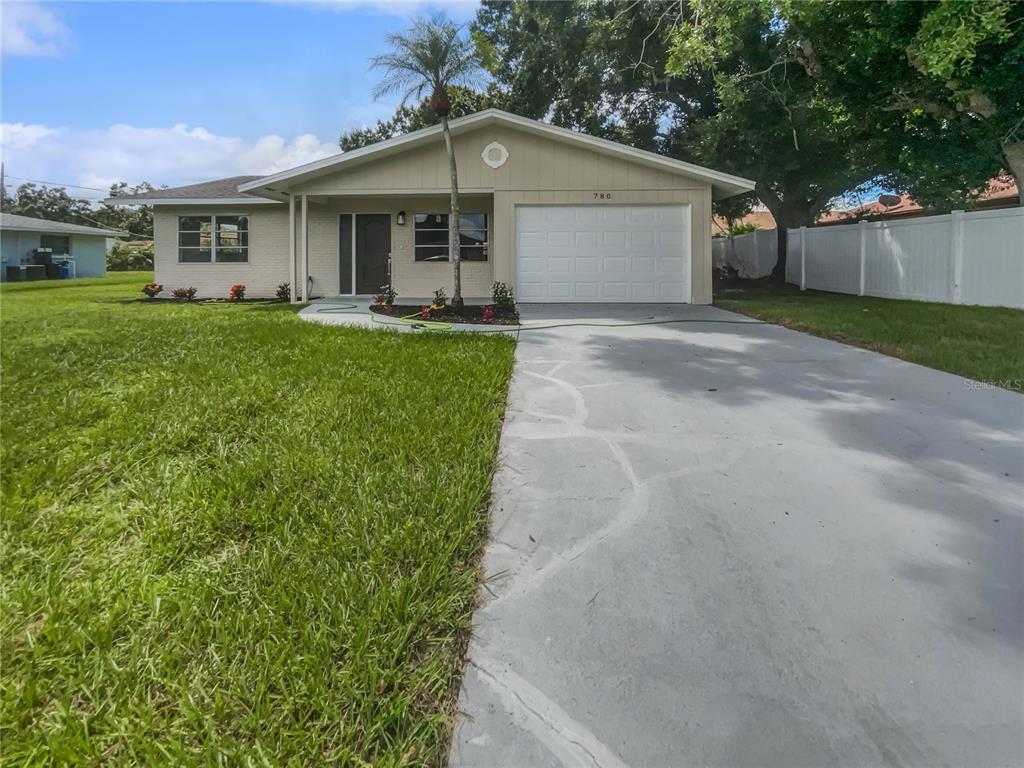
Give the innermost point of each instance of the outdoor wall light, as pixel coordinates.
(401, 218)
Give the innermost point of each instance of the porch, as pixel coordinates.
(349, 247)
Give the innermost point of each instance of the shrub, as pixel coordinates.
(386, 296)
(184, 294)
(440, 298)
(237, 292)
(152, 289)
(501, 295)
(425, 313)
(741, 229)
(284, 292)
(130, 258)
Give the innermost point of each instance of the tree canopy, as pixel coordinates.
(55, 204)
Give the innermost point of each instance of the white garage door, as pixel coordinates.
(602, 253)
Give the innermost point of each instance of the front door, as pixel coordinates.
(373, 248)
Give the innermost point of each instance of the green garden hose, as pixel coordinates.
(418, 323)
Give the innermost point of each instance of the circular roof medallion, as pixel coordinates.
(495, 154)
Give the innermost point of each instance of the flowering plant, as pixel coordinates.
(386, 296)
(237, 292)
(425, 313)
(487, 313)
(378, 299)
(152, 289)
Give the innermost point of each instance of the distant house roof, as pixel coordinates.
(1000, 192)
(222, 190)
(18, 223)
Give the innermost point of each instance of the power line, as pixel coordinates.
(58, 184)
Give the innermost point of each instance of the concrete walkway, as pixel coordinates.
(738, 545)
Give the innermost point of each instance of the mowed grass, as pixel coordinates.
(983, 343)
(232, 537)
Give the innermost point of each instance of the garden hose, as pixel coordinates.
(416, 322)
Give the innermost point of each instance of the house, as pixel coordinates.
(1000, 192)
(84, 249)
(558, 215)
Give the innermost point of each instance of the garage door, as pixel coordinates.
(602, 253)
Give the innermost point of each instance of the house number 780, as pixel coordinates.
(602, 195)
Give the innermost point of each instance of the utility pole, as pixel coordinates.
(3, 187)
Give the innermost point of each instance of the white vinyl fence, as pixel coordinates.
(752, 255)
(959, 258)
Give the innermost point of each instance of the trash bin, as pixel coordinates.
(65, 271)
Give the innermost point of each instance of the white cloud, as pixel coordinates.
(457, 10)
(172, 156)
(30, 29)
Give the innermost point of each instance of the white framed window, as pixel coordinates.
(213, 239)
(430, 233)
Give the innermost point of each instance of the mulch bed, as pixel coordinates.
(467, 314)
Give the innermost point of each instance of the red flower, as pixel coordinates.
(425, 313)
(487, 313)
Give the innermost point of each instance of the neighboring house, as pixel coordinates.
(558, 215)
(85, 246)
(1000, 192)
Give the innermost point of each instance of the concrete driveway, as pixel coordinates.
(737, 545)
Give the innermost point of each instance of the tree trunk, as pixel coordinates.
(778, 275)
(1013, 155)
(453, 218)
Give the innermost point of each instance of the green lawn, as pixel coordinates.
(983, 343)
(234, 537)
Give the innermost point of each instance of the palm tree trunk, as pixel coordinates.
(453, 218)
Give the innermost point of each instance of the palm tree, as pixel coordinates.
(429, 58)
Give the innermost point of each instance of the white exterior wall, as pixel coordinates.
(958, 258)
(268, 252)
(752, 255)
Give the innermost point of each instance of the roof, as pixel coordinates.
(277, 185)
(999, 192)
(18, 223)
(217, 190)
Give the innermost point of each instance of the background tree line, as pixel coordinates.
(53, 203)
(811, 99)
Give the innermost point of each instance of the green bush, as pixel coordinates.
(130, 258)
(502, 296)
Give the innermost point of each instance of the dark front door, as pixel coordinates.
(373, 247)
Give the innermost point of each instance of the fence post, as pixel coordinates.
(956, 254)
(863, 228)
(803, 258)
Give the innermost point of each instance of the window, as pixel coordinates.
(59, 244)
(431, 236)
(205, 239)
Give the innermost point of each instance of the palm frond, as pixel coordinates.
(432, 54)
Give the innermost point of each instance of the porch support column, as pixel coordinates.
(291, 249)
(304, 235)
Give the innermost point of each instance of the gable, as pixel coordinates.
(534, 163)
(416, 163)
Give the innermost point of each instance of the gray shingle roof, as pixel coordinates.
(29, 224)
(218, 188)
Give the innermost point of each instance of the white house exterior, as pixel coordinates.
(558, 215)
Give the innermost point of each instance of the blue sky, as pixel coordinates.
(94, 92)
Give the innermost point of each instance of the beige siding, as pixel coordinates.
(412, 279)
(268, 252)
(534, 163)
(539, 170)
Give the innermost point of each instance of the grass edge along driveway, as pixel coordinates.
(981, 343)
(231, 536)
